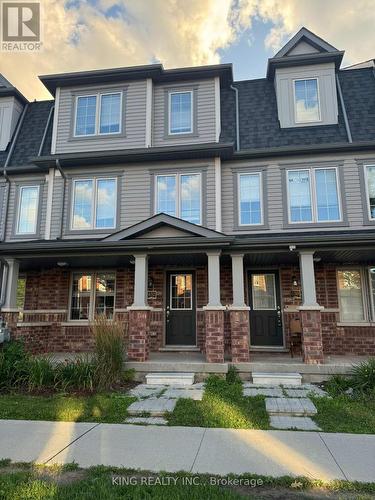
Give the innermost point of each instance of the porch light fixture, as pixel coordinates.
(294, 281)
(150, 282)
(62, 264)
(317, 259)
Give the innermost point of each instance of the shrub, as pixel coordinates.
(109, 338)
(75, 375)
(129, 375)
(363, 377)
(41, 373)
(337, 385)
(14, 362)
(232, 376)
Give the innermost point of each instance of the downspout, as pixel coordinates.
(7, 161)
(59, 168)
(237, 118)
(45, 131)
(346, 121)
(4, 278)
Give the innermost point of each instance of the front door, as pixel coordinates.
(265, 315)
(180, 310)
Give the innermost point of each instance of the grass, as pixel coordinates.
(344, 414)
(110, 408)
(69, 482)
(223, 405)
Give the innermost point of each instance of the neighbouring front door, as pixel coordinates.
(265, 315)
(180, 310)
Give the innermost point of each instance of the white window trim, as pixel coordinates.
(92, 308)
(170, 132)
(294, 100)
(170, 293)
(364, 292)
(313, 197)
(18, 232)
(94, 204)
(259, 174)
(367, 193)
(97, 132)
(274, 292)
(178, 176)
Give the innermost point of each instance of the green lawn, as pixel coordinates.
(223, 405)
(110, 408)
(28, 482)
(344, 414)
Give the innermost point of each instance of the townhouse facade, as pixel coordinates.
(203, 213)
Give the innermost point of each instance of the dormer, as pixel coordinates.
(11, 106)
(304, 74)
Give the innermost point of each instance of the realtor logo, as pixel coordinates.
(21, 26)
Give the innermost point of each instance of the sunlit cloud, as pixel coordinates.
(83, 34)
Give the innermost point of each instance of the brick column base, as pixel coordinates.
(214, 322)
(239, 331)
(139, 326)
(312, 345)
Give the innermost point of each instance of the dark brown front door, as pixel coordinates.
(180, 310)
(265, 315)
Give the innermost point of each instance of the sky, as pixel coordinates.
(94, 34)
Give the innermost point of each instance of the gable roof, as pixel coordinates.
(309, 37)
(159, 220)
(7, 90)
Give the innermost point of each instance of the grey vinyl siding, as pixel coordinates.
(3, 198)
(12, 208)
(134, 107)
(351, 195)
(205, 118)
(136, 193)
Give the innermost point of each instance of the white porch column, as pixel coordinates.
(140, 282)
(306, 262)
(238, 282)
(214, 280)
(10, 302)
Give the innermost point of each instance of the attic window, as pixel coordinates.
(306, 100)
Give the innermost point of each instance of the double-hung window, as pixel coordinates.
(98, 114)
(306, 100)
(94, 204)
(180, 195)
(28, 204)
(356, 293)
(250, 199)
(180, 112)
(370, 190)
(92, 294)
(313, 195)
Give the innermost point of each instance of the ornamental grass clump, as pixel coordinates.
(41, 374)
(14, 363)
(109, 351)
(363, 377)
(76, 375)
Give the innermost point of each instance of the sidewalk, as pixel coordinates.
(193, 449)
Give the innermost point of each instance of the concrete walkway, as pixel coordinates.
(195, 449)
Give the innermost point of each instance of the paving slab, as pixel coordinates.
(146, 420)
(251, 385)
(299, 423)
(290, 406)
(37, 441)
(263, 391)
(189, 393)
(156, 407)
(354, 453)
(154, 448)
(297, 393)
(271, 453)
(145, 391)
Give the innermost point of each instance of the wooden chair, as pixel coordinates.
(295, 329)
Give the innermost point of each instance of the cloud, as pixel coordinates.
(93, 34)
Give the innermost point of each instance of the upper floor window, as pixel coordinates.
(28, 210)
(306, 100)
(94, 204)
(98, 114)
(370, 187)
(313, 195)
(180, 195)
(92, 294)
(250, 199)
(181, 112)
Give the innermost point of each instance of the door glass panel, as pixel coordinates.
(264, 292)
(181, 291)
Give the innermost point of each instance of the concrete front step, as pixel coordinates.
(170, 378)
(266, 378)
(294, 407)
(299, 423)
